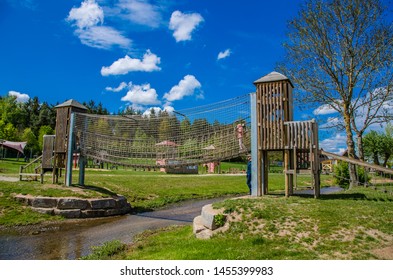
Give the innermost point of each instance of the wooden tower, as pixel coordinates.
(276, 131)
(63, 117)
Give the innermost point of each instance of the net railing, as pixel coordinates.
(209, 133)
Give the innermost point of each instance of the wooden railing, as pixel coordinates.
(31, 170)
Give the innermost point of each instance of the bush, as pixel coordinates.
(341, 176)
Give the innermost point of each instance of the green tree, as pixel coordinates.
(372, 142)
(10, 111)
(378, 146)
(8, 131)
(338, 53)
(32, 146)
(185, 129)
(44, 130)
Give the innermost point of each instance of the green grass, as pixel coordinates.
(144, 190)
(10, 167)
(349, 225)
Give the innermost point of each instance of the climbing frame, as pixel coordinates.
(276, 131)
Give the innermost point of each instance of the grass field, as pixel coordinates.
(355, 224)
(351, 225)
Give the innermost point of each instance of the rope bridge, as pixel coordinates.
(209, 133)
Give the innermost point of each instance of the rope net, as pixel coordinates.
(185, 138)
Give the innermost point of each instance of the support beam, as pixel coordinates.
(254, 145)
(71, 144)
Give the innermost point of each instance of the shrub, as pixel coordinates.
(341, 176)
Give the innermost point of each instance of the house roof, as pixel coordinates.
(273, 77)
(167, 143)
(19, 146)
(71, 103)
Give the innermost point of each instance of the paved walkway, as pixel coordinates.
(8, 179)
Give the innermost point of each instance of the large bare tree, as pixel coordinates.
(340, 54)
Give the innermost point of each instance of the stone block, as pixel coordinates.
(208, 214)
(92, 213)
(204, 234)
(69, 214)
(121, 202)
(104, 203)
(44, 202)
(49, 211)
(72, 203)
(22, 199)
(197, 225)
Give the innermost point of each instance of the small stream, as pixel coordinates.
(72, 240)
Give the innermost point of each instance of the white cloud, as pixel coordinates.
(157, 110)
(20, 97)
(186, 87)
(224, 54)
(122, 86)
(127, 64)
(141, 95)
(88, 19)
(102, 37)
(324, 109)
(87, 15)
(140, 12)
(336, 144)
(184, 24)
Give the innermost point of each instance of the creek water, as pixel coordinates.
(72, 240)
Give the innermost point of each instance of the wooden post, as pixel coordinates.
(265, 172)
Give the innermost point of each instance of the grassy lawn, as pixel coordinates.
(356, 224)
(351, 225)
(144, 190)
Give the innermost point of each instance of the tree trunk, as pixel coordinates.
(385, 161)
(351, 147)
(359, 137)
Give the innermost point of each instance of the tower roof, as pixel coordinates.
(71, 103)
(273, 77)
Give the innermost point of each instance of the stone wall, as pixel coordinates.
(71, 207)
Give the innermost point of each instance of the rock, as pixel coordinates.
(104, 203)
(69, 214)
(93, 213)
(204, 234)
(72, 203)
(49, 211)
(197, 225)
(208, 214)
(44, 202)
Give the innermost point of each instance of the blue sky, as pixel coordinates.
(142, 53)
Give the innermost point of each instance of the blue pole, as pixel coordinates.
(70, 151)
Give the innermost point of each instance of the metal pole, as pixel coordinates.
(254, 145)
(70, 151)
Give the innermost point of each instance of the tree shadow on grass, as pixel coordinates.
(338, 195)
(346, 196)
(100, 190)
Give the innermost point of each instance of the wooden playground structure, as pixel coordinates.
(131, 141)
(275, 130)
